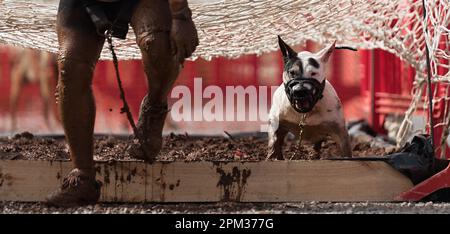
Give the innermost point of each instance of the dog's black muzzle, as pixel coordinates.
(304, 93)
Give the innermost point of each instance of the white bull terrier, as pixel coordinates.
(305, 90)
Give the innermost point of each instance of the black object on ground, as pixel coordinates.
(415, 159)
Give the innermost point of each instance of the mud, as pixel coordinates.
(184, 147)
(25, 146)
(228, 181)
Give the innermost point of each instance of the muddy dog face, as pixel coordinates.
(304, 75)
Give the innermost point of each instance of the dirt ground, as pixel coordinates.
(25, 146)
(250, 147)
(234, 208)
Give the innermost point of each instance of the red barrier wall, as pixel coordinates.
(345, 74)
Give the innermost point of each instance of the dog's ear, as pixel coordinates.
(287, 51)
(326, 52)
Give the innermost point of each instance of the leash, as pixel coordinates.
(301, 124)
(125, 108)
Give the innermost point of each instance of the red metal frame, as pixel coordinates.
(438, 181)
(390, 93)
(392, 96)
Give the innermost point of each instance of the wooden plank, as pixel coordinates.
(184, 181)
(281, 181)
(29, 180)
(123, 181)
(324, 181)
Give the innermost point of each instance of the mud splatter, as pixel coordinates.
(132, 173)
(162, 182)
(106, 177)
(5, 178)
(232, 184)
(173, 186)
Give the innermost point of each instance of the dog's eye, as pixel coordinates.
(292, 73)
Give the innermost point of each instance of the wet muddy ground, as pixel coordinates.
(250, 147)
(234, 208)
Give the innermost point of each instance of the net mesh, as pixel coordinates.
(232, 28)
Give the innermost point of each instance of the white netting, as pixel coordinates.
(437, 38)
(232, 28)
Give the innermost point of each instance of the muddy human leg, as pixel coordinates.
(79, 49)
(152, 23)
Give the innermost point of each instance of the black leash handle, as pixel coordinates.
(125, 108)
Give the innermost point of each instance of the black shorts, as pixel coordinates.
(72, 14)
